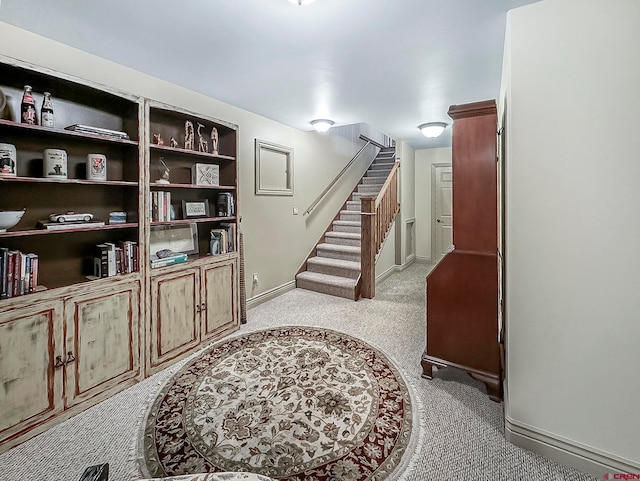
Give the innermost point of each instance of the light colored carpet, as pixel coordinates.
(463, 429)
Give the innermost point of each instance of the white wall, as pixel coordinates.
(572, 95)
(276, 241)
(424, 159)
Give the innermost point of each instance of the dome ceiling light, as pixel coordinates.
(321, 125)
(431, 130)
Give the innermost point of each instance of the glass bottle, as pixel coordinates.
(46, 113)
(28, 107)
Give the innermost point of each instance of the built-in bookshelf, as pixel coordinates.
(197, 157)
(65, 255)
(94, 313)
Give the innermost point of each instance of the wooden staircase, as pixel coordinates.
(334, 266)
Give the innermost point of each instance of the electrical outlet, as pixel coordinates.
(255, 277)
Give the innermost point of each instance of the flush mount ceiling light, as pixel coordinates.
(432, 130)
(321, 125)
(302, 2)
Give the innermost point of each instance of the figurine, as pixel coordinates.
(157, 139)
(173, 142)
(214, 141)
(188, 135)
(202, 143)
(165, 173)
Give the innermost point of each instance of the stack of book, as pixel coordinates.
(225, 205)
(87, 129)
(117, 217)
(18, 273)
(115, 259)
(175, 258)
(223, 240)
(160, 206)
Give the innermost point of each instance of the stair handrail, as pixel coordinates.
(341, 173)
(377, 216)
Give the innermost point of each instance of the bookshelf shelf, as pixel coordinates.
(190, 153)
(192, 186)
(32, 232)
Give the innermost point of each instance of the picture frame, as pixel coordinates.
(192, 209)
(273, 169)
(177, 238)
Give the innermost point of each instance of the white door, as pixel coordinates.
(442, 208)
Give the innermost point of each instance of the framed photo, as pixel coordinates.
(192, 209)
(205, 174)
(177, 238)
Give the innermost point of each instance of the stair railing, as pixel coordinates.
(341, 173)
(377, 216)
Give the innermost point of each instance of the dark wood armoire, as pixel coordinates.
(462, 290)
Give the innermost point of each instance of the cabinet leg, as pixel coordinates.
(427, 369)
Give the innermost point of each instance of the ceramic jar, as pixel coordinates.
(8, 160)
(96, 167)
(55, 163)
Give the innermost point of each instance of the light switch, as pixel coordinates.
(295, 210)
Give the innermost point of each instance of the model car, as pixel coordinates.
(70, 216)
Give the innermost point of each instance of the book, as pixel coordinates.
(33, 271)
(4, 259)
(176, 258)
(231, 235)
(87, 129)
(45, 224)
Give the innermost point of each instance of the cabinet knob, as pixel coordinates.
(197, 308)
(70, 357)
(203, 307)
(438, 221)
(59, 363)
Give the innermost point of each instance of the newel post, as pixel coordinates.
(368, 246)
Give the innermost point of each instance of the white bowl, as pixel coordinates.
(9, 218)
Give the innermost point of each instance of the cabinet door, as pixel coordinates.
(219, 299)
(101, 350)
(30, 386)
(175, 328)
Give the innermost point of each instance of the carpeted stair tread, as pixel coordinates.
(339, 248)
(347, 223)
(334, 281)
(334, 267)
(346, 235)
(326, 261)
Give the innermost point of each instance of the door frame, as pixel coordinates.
(434, 168)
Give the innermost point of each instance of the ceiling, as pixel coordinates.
(393, 64)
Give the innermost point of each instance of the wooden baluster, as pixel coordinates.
(368, 250)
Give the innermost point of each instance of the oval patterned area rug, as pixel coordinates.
(294, 403)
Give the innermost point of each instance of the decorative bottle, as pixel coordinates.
(46, 113)
(28, 107)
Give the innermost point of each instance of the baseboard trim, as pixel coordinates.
(270, 294)
(425, 259)
(395, 268)
(585, 458)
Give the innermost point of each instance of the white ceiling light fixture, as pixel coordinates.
(302, 2)
(321, 125)
(431, 130)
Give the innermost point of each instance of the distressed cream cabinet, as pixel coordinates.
(31, 338)
(191, 306)
(44, 374)
(79, 339)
